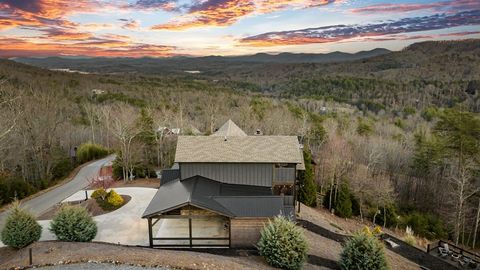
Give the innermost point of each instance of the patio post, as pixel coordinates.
(190, 230)
(150, 236)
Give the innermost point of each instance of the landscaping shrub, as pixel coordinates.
(90, 151)
(113, 199)
(99, 194)
(283, 244)
(363, 251)
(409, 237)
(74, 224)
(21, 229)
(107, 200)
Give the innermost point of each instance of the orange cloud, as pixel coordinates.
(443, 6)
(227, 12)
(130, 24)
(211, 12)
(267, 6)
(41, 12)
(16, 47)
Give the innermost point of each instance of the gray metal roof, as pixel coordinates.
(225, 199)
(246, 149)
(229, 129)
(248, 206)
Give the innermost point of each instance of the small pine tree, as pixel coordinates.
(343, 205)
(283, 244)
(308, 189)
(21, 228)
(363, 252)
(73, 224)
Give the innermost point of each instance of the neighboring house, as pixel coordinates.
(165, 131)
(98, 91)
(224, 188)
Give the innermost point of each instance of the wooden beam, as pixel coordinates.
(158, 219)
(229, 233)
(188, 238)
(190, 231)
(189, 216)
(150, 234)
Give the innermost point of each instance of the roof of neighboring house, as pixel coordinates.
(229, 129)
(224, 199)
(241, 149)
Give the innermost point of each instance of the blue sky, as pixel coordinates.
(158, 28)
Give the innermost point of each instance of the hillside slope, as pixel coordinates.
(434, 73)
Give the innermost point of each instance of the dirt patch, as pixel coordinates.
(53, 252)
(141, 182)
(325, 234)
(91, 205)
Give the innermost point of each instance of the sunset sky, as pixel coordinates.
(156, 28)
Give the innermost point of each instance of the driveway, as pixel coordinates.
(122, 226)
(43, 202)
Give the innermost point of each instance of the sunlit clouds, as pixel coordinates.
(337, 33)
(159, 28)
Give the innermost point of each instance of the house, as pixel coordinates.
(224, 188)
(166, 131)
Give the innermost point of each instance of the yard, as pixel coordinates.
(124, 226)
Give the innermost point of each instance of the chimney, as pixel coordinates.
(225, 138)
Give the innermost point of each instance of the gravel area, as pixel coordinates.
(329, 250)
(64, 253)
(99, 266)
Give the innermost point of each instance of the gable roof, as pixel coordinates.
(229, 129)
(225, 199)
(239, 149)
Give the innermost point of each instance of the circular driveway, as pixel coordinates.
(122, 226)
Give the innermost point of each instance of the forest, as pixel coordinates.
(393, 139)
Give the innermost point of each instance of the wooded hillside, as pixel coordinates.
(395, 138)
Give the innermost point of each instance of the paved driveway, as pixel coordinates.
(41, 203)
(124, 225)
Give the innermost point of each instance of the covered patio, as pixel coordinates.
(189, 226)
(200, 212)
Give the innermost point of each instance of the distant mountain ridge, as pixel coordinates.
(303, 57)
(91, 63)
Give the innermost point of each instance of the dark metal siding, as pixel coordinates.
(169, 175)
(284, 175)
(255, 174)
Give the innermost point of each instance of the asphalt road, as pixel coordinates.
(43, 202)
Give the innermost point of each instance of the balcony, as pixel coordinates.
(284, 175)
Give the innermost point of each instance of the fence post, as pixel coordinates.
(86, 195)
(30, 257)
(428, 248)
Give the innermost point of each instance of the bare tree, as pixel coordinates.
(91, 112)
(477, 221)
(463, 187)
(124, 128)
